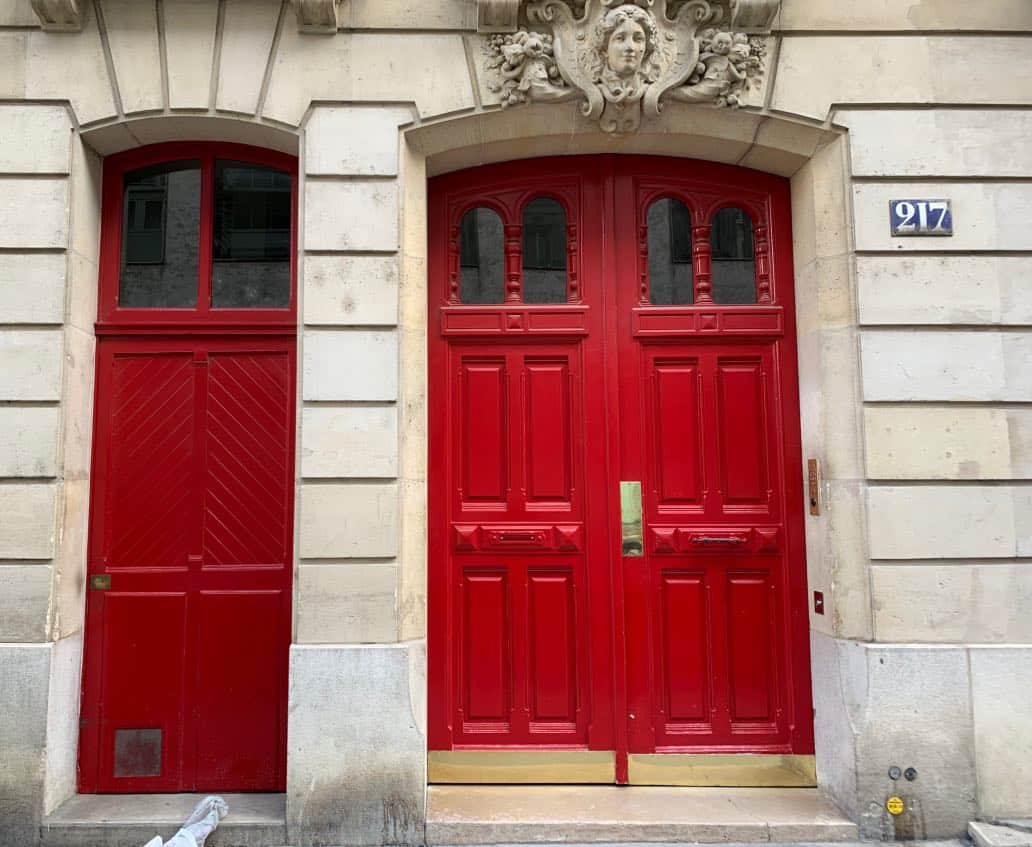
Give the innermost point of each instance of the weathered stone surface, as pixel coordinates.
(1003, 739)
(63, 722)
(350, 290)
(190, 44)
(411, 14)
(954, 142)
(815, 71)
(354, 441)
(939, 442)
(834, 664)
(27, 531)
(59, 66)
(35, 139)
(24, 602)
(945, 366)
(914, 289)
(17, 13)
(47, 226)
(937, 521)
(347, 604)
(986, 215)
(32, 287)
(351, 215)
(956, 603)
(24, 677)
(132, 30)
(990, 835)
(28, 441)
(32, 365)
(356, 762)
(350, 365)
(247, 34)
(904, 15)
(371, 134)
(345, 521)
(429, 69)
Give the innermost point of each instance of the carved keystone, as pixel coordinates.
(318, 16)
(59, 15)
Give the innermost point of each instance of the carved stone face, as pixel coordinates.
(626, 48)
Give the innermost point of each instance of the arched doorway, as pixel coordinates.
(191, 515)
(616, 563)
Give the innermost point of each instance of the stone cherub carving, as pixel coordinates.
(623, 58)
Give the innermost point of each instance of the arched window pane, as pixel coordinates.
(544, 251)
(670, 253)
(251, 250)
(161, 219)
(481, 257)
(734, 268)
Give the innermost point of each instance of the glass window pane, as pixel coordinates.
(481, 257)
(251, 239)
(160, 230)
(670, 253)
(734, 268)
(544, 251)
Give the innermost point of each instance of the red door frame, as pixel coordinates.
(604, 178)
(204, 330)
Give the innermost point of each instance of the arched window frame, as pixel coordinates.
(113, 318)
(569, 234)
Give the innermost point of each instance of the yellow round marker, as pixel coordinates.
(894, 805)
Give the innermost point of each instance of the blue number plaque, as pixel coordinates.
(921, 217)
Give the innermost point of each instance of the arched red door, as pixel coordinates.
(191, 514)
(617, 572)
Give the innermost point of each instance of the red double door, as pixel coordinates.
(188, 612)
(616, 549)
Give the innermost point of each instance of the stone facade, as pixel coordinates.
(915, 369)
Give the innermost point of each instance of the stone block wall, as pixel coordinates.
(914, 367)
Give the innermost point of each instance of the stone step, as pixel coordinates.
(991, 835)
(130, 820)
(539, 814)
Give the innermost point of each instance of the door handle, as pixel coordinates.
(630, 518)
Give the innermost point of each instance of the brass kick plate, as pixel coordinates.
(100, 581)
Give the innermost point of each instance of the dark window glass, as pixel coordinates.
(251, 249)
(481, 257)
(670, 253)
(734, 268)
(544, 251)
(161, 219)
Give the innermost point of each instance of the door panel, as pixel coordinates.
(186, 652)
(543, 633)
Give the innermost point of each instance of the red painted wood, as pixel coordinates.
(537, 412)
(192, 520)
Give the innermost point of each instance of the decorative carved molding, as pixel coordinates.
(625, 59)
(497, 15)
(59, 15)
(318, 16)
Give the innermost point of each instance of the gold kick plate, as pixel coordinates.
(630, 518)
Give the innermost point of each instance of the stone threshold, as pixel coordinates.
(543, 814)
(130, 820)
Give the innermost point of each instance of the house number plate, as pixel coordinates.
(921, 217)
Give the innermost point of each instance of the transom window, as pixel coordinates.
(200, 231)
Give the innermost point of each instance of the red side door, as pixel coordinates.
(188, 625)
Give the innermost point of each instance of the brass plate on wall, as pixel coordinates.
(742, 770)
(521, 766)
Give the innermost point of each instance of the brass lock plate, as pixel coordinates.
(100, 581)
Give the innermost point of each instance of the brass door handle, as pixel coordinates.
(630, 519)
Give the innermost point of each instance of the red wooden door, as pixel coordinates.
(690, 634)
(192, 529)
(189, 566)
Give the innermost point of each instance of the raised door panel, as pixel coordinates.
(684, 652)
(485, 647)
(677, 448)
(151, 482)
(743, 426)
(752, 656)
(248, 444)
(481, 437)
(552, 648)
(548, 426)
